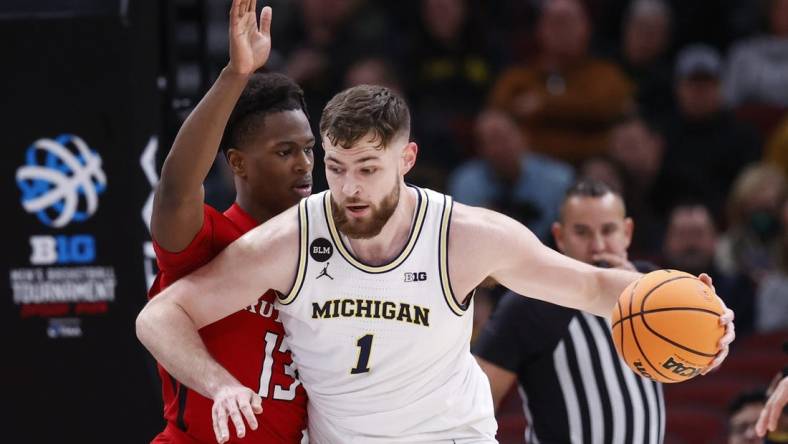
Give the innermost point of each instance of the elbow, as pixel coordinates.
(142, 325)
(153, 318)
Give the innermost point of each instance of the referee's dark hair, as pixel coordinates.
(589, 188)
(264, 94)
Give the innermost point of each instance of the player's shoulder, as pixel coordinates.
(467, 220)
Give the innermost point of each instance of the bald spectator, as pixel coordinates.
(509, 178)
(566, 100)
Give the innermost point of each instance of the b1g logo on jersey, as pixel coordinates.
(77, 249)
(416, 277)
(321, 249)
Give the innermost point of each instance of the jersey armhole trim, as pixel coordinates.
(303, 236)
(443, 259)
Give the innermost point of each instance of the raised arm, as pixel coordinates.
(509, 253)
(266, 257)
(178, 200)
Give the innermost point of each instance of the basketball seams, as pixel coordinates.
(659, 310)
(634, 335)
(643, 354)
(669, 341)
(620, 314)
(686, 322)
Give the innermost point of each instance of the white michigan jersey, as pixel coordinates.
(384, 351)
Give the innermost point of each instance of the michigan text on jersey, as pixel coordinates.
(371, 309)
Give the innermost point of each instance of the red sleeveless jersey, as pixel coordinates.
(247, 343)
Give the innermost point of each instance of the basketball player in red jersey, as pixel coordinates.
(260, 122)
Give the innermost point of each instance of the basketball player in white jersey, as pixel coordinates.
(375, 279)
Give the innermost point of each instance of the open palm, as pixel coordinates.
(250, 43)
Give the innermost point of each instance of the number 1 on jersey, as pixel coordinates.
(365, 348)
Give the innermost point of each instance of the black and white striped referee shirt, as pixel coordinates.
(575, 388)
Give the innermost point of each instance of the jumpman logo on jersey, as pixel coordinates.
(325, 272)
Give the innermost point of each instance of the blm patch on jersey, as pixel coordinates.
(321, 249)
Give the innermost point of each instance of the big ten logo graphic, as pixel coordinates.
(416, 277)
(62, 249)
(681, 369)
(61, 180)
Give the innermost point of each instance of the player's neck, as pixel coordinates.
(385, 247)
(258, 212)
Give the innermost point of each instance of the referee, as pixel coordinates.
(575, 389)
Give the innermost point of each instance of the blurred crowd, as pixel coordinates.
(677, 104)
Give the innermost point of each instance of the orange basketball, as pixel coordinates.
(666, 325)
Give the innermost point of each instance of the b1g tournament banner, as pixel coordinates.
(61, 183)
(79, 116)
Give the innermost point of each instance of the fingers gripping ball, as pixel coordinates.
(666, 326)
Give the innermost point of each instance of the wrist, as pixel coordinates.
(220, 381)
(232, 72)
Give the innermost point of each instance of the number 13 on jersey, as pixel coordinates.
(364, 345)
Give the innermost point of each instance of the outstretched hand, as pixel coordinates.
(767, 421)
(250, 42)
(726, 320)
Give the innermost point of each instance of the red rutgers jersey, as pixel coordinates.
(248, 344)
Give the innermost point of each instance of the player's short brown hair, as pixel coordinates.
(361, 109)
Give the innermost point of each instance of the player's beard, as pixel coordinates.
(369, 226)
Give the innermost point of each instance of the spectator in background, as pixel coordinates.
(706, 146)
(320, 39)
(715, 22)
(771, 309)
(757, 67)
(566, 100)
(373, 70)
(743, 414)
(690, 244)
(377, 70)
(574, 386)
(776, 151)
(644, 55)
(754, 211)
(603, 168)
(510, 179)
(639, 148)
(450, 68)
